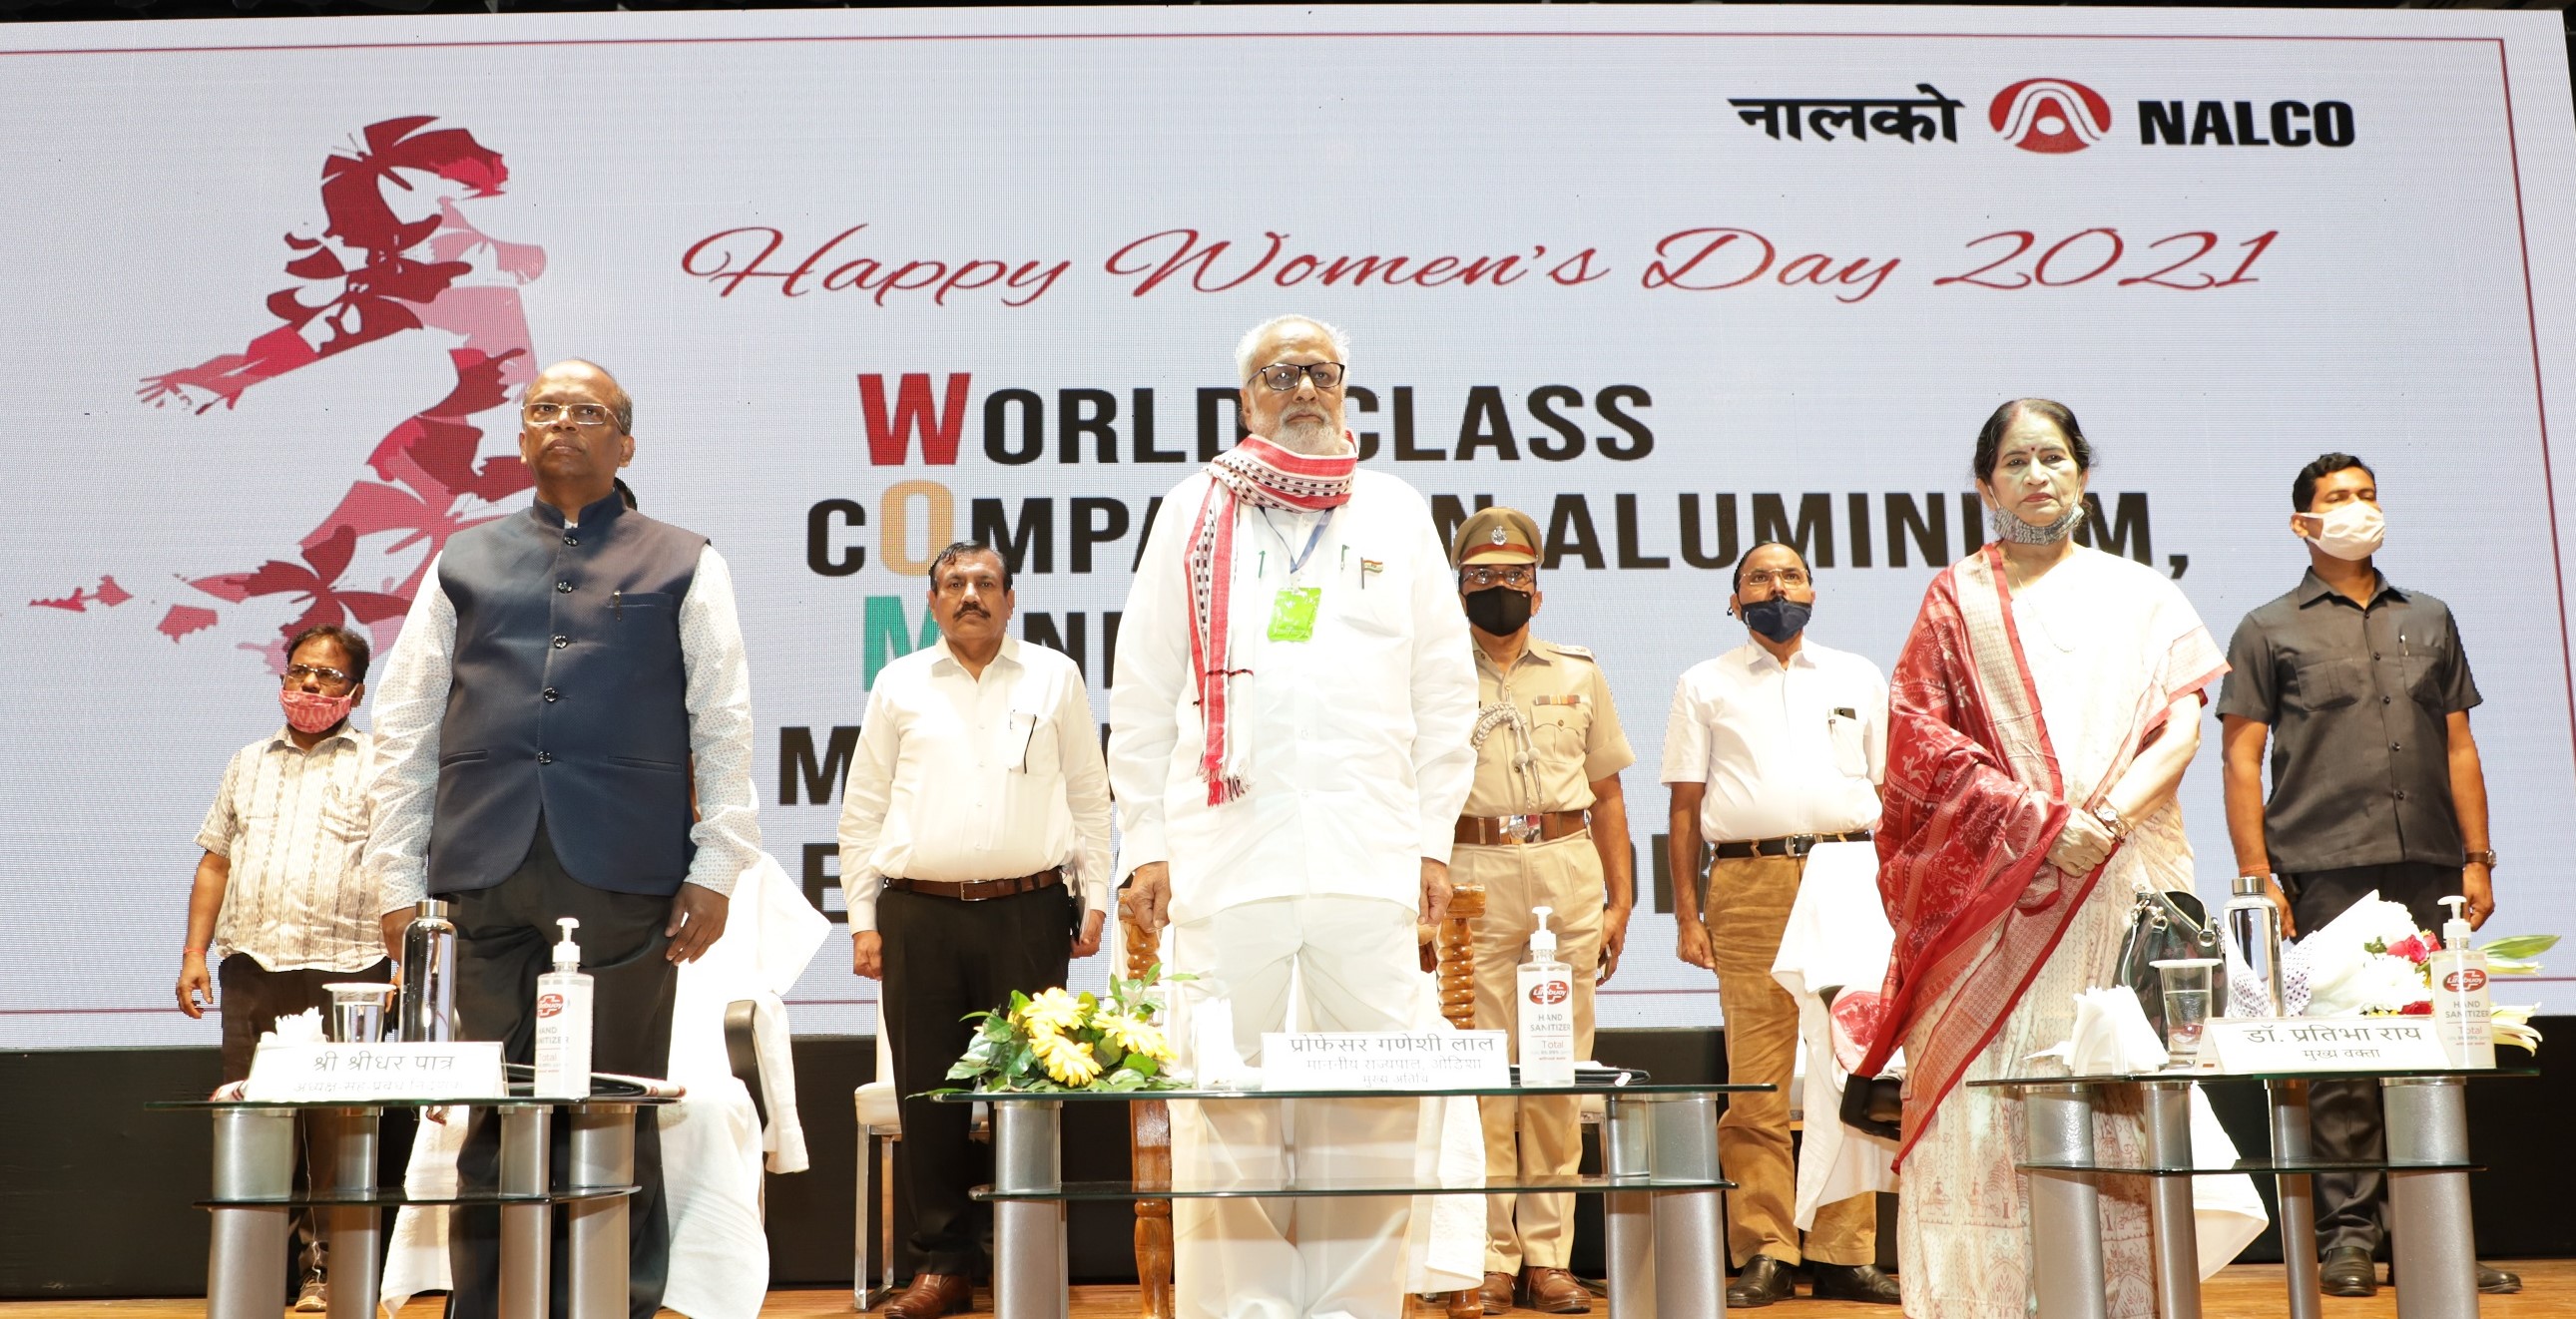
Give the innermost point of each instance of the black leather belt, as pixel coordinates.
(980, 890)
(1786, 845)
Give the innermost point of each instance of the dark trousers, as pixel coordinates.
(2344, 1116)
(253, 998)
(503, 934)
(943, 959)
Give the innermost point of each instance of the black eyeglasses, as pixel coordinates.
(321, 673)
(1282, 376)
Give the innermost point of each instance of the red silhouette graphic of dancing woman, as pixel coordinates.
(381, 275)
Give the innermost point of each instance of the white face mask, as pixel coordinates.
(2352, 532)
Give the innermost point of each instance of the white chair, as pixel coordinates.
(880, 1126)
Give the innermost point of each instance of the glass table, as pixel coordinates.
(2430, 1234)
(1661, 1187)
(254, 1197)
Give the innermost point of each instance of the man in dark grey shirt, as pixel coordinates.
(2364, 693)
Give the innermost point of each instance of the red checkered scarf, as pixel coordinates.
(1261, 474)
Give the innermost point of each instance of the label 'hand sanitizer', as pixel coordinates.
(563, 1023)
(2462, 1011)
(1544, 1010)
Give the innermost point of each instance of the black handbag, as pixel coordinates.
(2163, 926)
(1874, 1105)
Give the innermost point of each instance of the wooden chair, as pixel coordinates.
(1150, 1151)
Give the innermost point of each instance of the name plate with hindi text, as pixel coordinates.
(2325, 1044)
(1386, 1060)
(359, 1073)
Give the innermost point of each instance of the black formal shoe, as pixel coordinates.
(1854, 1282)
(2347, 1271)
(2491, 1280)
(1761, 1281)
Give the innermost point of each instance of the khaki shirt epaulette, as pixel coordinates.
(1564, 736)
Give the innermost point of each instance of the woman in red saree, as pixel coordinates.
(2041, 715)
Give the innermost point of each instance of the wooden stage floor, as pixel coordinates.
(2244, 1291)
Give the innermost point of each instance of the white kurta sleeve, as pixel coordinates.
(411, 704)
(1444, 698)
(718, 697)
(1148, 675)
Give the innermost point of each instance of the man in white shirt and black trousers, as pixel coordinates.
(974, 862)
(1775, 750)
(567, 675)
(1290, 738)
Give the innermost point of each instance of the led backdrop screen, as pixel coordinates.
(1675, 280)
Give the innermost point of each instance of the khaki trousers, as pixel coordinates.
(1746, 913)
(1532, 1137)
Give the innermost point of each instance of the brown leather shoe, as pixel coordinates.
(1554, 1291)
(1496, 1293)
(933, 1296)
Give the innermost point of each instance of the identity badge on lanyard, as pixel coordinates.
(1292, 610)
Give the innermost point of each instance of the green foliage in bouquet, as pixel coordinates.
(1058, 1041)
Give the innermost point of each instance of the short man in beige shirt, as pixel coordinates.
(1545, 826)
(1773, 755)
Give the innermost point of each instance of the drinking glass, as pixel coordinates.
(358, 1011)
(2186, 1007)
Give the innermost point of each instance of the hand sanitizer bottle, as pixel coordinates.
(2461, 1010)
(563, 1023)
(1544, 1011)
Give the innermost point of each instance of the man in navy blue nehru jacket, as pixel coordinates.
(565, 675)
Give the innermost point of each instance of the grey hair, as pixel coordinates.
(1251, 343)
(619, 401)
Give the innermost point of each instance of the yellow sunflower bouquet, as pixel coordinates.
(1058, 1040)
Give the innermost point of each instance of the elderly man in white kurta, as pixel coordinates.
(1289, 748)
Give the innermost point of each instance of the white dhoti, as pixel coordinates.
(1352, 966)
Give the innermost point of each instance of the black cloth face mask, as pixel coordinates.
(1498, 610)
(1778, 618)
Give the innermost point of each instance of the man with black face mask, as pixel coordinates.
(1773, 754)
(1545, 826)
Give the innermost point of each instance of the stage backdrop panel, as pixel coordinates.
(1675, 280)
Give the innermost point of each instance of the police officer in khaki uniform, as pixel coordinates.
(1545, 827)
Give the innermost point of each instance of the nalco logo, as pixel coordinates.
(549, 1004)
(2050, 115)
(1549, 991)
(2469, 981)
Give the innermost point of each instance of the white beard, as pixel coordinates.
(1313, 439)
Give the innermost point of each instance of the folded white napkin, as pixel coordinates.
(2112, 1037)
(302, 1028)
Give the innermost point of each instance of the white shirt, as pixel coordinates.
(411, 706)
(1792, 750)
(1353, 745)
(961, 778)
(291, 824)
